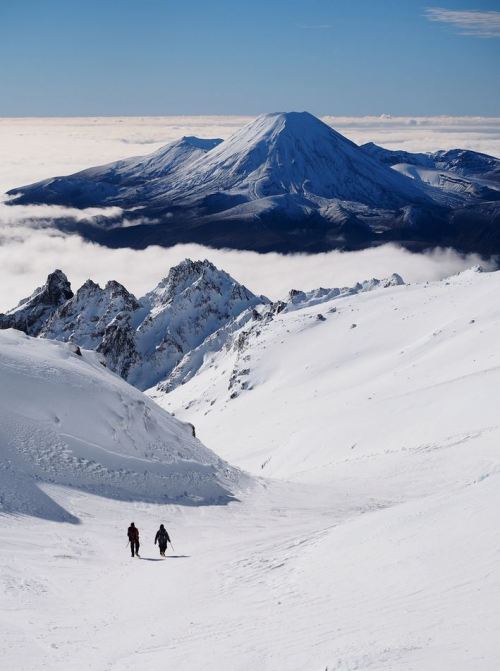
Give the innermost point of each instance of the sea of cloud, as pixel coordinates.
(33, 149)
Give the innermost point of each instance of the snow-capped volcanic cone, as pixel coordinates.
(284, 182)
(277, 154)
(66, 419)
(293, 153)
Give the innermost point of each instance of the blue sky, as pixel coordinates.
(342, 57)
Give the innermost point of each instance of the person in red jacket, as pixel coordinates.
(133, 537)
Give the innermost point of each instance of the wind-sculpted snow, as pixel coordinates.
(369, 540)
(141, 340)
(65, 419)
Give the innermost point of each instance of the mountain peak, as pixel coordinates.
(298, 118)
(32, 312)
(55, 291)
(184, 275)
(292, 154)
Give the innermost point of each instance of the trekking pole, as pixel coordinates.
(171, 545)
(128, 543)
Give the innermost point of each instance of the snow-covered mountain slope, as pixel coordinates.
(392, 157)
(126, 181)
(283, 182)
(276, 154)
(234, 336)
(475, 189)
(65, 419)
(293, 153)
(382, 555)
(463, 162)
(83, 318)
(389, 379)
(141, 340)
(460, 171)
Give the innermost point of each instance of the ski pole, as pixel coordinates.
(171, 545)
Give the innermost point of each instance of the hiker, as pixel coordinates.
(162, 538)
(133, 537)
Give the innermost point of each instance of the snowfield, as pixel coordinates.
(365, 536)
(65, 419)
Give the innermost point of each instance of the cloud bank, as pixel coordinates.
(28, 252)
(469, 22)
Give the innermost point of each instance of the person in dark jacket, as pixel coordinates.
(133, 537)
(162, 538)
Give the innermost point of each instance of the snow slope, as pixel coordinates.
(470, 188)
(335, 385)
(292, 153)
(66, 419)
(380, 554)
(462, 162)
(469, 174)
(278, 154)
(125, 181)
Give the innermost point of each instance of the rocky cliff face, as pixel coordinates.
(33, 313)
(84, 317)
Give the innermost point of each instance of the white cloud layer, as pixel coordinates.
(32, 149)
(469, 22)
(28, 254)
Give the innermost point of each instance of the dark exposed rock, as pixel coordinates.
(33, 312)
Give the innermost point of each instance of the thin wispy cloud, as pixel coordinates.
(471, 22)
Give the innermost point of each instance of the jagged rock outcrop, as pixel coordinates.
(165, 337)
(302, 299)
(191, 303)
(118, 345)
(84, 317)
(32, 313)
(141, 340)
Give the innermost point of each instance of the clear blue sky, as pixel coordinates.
(352, 57)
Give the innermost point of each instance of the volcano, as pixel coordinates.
(284, 182)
